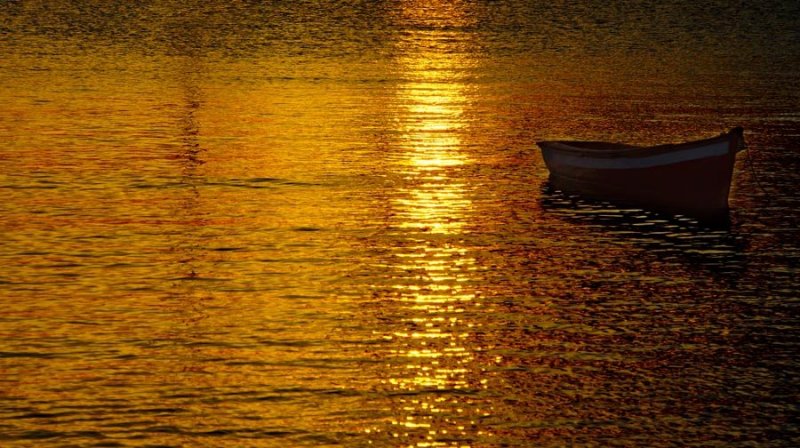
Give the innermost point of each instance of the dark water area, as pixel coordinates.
(327, 224)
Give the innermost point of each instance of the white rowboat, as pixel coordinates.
(691, 178)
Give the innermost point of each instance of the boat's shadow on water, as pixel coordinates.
(712, 246)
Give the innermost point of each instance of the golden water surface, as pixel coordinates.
(327, 224)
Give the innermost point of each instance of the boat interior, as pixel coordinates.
(605, 146)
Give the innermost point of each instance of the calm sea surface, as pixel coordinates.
(326, 223)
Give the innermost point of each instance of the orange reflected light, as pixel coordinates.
(432, 273)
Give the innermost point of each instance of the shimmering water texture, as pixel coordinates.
(279, 224)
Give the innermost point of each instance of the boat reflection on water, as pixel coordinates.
(714, 246)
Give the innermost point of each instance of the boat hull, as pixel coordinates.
(691, 179)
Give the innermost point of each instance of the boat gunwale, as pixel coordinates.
(622, 150)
